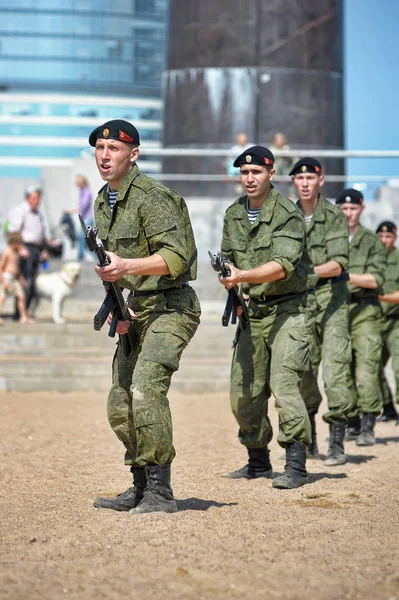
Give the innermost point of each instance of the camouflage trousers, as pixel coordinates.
(138, 407)
(270, 358)
(331, 344)
(366, 327)
(390, 349)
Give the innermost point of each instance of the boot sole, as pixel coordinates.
(146, 511)
(265, 475)
(109, 506)
(335, 462)
(288, 485)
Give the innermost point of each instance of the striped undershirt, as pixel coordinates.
(111, 197)
(252, 214)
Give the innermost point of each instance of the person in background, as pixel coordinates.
(12, 280)
(387, 232)
(27, 219)
(367, 267)
(240, 145)
(85, 208)
(283, 164)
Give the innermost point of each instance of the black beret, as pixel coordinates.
(117, 129)
(350, 196)
(255, 155)
(387, 227)
(306, 165)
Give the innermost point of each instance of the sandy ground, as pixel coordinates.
(336, 538)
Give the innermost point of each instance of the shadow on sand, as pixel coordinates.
(360, 459)
(198, 504)
(386, 440)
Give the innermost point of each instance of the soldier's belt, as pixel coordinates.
(390, 317)
(271, 299)
(366, 299)
(324, 281)
(137, 293)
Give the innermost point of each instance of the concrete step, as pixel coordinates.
(73, 357)
(68, 374)
(45, 338)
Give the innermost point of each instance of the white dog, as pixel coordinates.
(57, 286)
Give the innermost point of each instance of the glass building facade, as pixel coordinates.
(67, 66)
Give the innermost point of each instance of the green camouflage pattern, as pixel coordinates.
(278, 234)
(367, 254)
(390, 328)
(138, 407)
(148, 218)
(331, 344)
(391, 284)
(390, 349)
(271, 356)
(327, 236)
(366, 329)
(273, 352)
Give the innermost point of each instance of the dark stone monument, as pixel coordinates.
(257, 67)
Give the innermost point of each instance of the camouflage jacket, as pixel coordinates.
(391, 284)
(148, 218)
(367, 254)
(278, 234)
(328, 234)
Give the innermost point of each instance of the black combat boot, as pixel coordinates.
(336, 455)
(366, 437)
(295, 473)
(353, 429)
(158, 495)
(312, 450)
(128, 499)
(258, 466)
(388, 414)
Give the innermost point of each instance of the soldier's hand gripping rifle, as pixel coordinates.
(114, 301)
(234, 297)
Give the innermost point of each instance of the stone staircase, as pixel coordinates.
(72, 356)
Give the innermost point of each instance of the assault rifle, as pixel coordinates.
(114, 301)
(234, 297)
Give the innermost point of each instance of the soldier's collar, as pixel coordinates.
(319, 213)
(267, 209)
(129, 177)
(357, 238)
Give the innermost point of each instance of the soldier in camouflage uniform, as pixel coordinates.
(387, 232)
(146, 231)
(327, 234)
(367, 266)
(264, 238)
